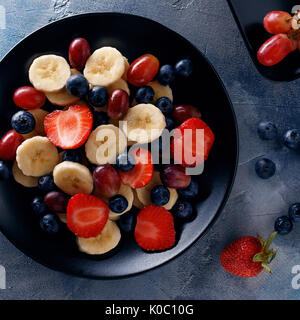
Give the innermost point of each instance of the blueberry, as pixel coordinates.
(100, 118)
(170, 124)
(72, 155)
(4, 171)
(294, 212)
(184, 68)
(283, 225)
(144, 94)
(191, 191)
(165, 105)
(267, 130)
(160, 195)
(50, 223)
(292, 139)
(183, 210)
(98, 96)
(46, 183)
(125, 161)
(166, 74)
(23, 122)
(77, 85)
(127, 221)
(265, 168)
(118, 203)
(38, 206)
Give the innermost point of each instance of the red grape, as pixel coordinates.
(118, 104)
(29, 98)
(143, 70)
(107, 180)
(174, 176)
(276, 22)
(183, 112)
(79, 51)
(276, 49)
(56, 201)
(9, 144)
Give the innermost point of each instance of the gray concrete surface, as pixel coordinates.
(253, 204)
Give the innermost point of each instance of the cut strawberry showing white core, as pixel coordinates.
(69, 129)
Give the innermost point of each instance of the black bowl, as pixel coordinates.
(133, 36)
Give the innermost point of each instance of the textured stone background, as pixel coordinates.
(253, 204)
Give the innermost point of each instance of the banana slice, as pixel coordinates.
(119, 84)
(136, 202)
(127, 65)
(104, 144)
(126, 192)
(107, 240)
(73, 178)
(160, 91)
(144, 122)
(61, 98)
(104, 67)
(39, 116)
(75, 71)
(25, 181)
(144, 193)
(37, 156)
(49, 72)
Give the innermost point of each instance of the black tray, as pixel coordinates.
(249, 15)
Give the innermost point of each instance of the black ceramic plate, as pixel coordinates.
(133, 36)
(249, 15)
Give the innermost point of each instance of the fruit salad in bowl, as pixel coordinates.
(104, 143)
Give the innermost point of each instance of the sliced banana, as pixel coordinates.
(119, 84)
(144, 193)
(39, 116)
(143, 123)
(126, 192)
(136, 202)
(37, 156)
(75, 71)
(73, 178)
(160, 91)
(25, 181)
(127, 65)
(61, 98)
(107, 240)
(104, 67)
(49, 72)
(104, 144)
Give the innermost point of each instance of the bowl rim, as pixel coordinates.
(228, 189)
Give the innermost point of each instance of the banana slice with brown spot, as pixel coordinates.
(37, 156)
(107, 240)
(49, 73)
(73, 178)
(160, 91)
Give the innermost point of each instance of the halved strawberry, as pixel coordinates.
(155, 229)
(142, 172)
(191, 150)
(69, 129)
(86, 215)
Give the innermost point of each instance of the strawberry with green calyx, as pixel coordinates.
(248, 256)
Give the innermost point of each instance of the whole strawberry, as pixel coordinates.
(248, 256)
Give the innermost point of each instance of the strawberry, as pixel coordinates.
(248, 256)
(9, 144)
(142, 172)
(155, 229)
(69, 129)
(86, 215)
(188, 151)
